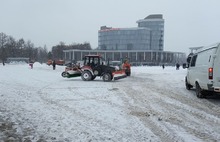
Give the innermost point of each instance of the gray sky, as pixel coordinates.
(188, 23)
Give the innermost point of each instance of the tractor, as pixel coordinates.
(93, 66)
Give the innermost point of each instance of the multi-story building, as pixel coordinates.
(147, 36)
(142, 45)
(124, 38)
(156, 25)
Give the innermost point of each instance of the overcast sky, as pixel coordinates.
(188, 23)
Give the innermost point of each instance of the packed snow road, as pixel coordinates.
(150, 105)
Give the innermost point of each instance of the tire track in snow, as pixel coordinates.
(23, 127)
(183, 103)
(201, 108)
(193, 117)
(140, 108)
(200, 104)
(88, 119)
(187, 121)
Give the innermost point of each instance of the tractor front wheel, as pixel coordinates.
(86, 76)
(63, 74)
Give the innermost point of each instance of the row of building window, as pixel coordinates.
(134, 57)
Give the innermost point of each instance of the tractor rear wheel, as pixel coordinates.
(86, 76)
(106, 77)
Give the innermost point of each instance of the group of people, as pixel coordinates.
(177, 66)
(31, 64)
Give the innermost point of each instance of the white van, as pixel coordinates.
(203, 71)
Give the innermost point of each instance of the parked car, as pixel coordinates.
(58, 62)
(203, 71)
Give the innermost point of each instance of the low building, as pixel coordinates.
(17, 60)
(135, 57)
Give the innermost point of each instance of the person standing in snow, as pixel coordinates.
(54, 65)
(163, 66)
(31, 64)
(177, 66)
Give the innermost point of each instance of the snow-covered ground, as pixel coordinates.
(151, 105)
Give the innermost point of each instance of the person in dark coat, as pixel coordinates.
(177, 66)
(54, 65)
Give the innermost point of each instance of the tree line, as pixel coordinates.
(57, 51)
(10, 47)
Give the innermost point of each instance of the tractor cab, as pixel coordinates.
(93, 60)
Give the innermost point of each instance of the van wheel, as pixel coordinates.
(199, 92)
(188, 86)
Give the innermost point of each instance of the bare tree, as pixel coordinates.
(20, 47)
(11, 47)
(3, 41)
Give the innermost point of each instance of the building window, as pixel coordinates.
(103, 47)
(129, 46)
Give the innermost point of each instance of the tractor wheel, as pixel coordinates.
(86, 76)
(63, 74)
(96, 72)
(106, 77)
(67, 75)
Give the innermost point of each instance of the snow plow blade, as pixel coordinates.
(70, 74)
(120, 77)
